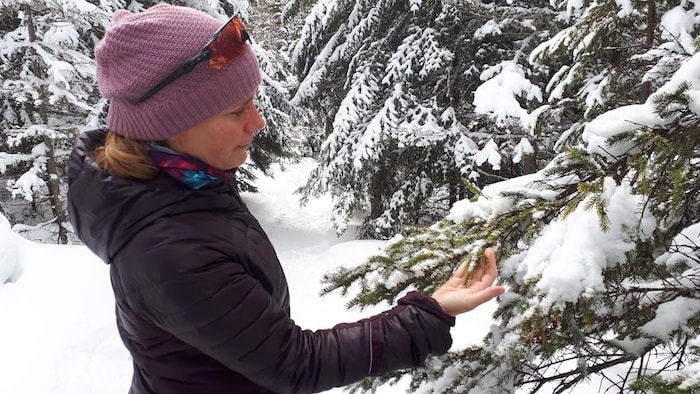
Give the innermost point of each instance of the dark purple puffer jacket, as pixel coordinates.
(201, 299)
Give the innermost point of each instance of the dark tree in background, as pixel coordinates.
(402, 94)
(48, 93)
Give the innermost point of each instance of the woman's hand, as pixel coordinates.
(455, 298)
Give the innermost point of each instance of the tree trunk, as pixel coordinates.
(50, 176)
(376, 199)
(529, 163)
(54, 185)
(645, 89)
(452, 199)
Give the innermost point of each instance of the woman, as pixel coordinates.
(201, 300)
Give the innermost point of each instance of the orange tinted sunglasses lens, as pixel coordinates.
(229, 44)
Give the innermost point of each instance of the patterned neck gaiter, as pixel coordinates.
(194, 173)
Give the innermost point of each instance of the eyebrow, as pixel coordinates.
(243, 104)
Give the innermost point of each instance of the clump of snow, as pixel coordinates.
(489, 154)
(10, 159)
(522, 149)
(567, 260)
(490, 28)
(671, 316)
(623, 119)
(573, 5)
(9, 264)
(491, 202)
(449, 375)
(678, 25)
(626, 8)
(618, 121)
(464, 149)
(689, 73)
(27, 184)
(395, 279)
(62, 33)
(684, 249)
(82, 6)
(633, 346)
(498, 95)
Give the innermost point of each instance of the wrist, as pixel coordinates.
(428, 304)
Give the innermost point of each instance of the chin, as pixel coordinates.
(242, 160)
(235, 161)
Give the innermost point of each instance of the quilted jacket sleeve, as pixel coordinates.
(215, 305)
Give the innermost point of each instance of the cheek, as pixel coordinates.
(223, 144)
(219, 146)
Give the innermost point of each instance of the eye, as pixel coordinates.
(242, 108)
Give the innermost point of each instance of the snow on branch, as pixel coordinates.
(498, 95)
(27, 185)
(11, 159)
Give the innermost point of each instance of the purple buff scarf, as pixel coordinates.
(194, 173)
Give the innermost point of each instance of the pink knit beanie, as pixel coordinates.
(139, 50)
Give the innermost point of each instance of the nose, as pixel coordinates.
(257, 122)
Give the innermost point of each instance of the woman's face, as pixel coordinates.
(221, 141)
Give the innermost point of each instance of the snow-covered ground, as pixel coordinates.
(57, 329)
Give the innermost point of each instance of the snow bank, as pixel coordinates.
(9, 263)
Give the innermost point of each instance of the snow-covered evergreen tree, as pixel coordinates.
(395, 86)
(600, 250)
(48, 93)
(285, 122)
(612, 53)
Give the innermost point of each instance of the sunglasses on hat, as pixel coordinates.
(227, 43)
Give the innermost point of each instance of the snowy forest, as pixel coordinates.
(565, 134)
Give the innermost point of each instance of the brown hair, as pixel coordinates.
(125, 157)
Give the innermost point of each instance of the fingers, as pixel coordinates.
(486, 294)
(490, 256)
(485, 274)
(461, 270)
(455, 298)
(489, 271)
(490, 262)
(490, 265)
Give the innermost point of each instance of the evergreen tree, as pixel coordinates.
(394, 87)
(612, 53)
(48, 92)
(600, 250)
